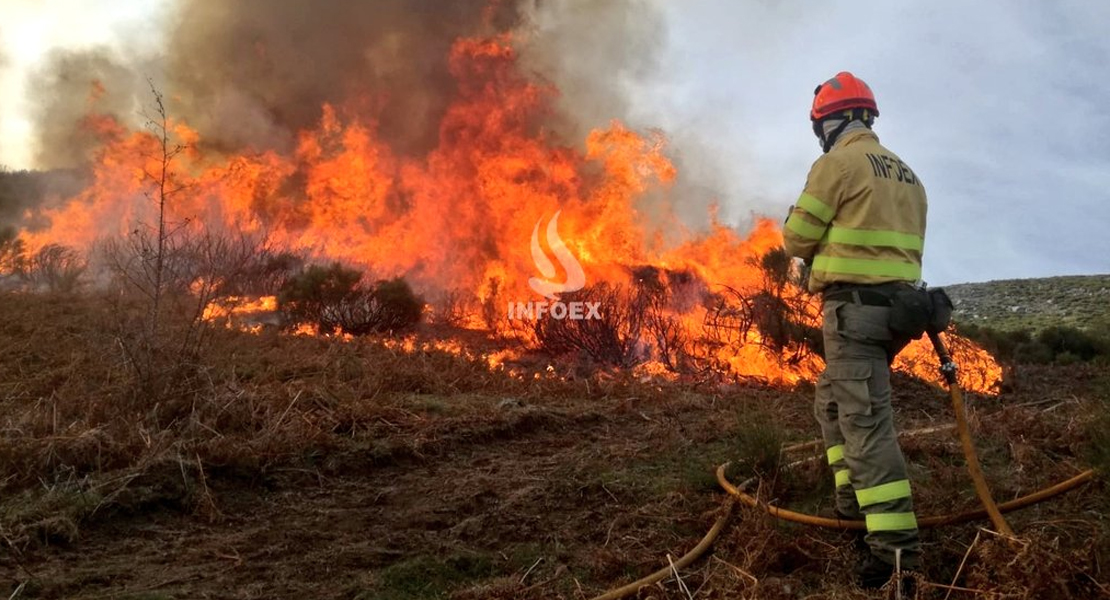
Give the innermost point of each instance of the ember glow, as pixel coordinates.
(460, 219)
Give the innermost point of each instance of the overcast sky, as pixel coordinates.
(999, 106)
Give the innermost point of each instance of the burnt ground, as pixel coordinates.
(555, 501)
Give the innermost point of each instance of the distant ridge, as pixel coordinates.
(1080, 301)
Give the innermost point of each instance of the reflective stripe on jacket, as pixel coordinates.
(861, 218)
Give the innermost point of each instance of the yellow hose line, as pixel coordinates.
(990, 508)
(797, 517)
(789, 515)
(681, 563)
(977, 477)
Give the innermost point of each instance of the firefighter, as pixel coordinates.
(860, 228)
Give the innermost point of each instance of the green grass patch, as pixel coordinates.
(1097, 449)
(757, 443)
(429, 577)
(50, 515)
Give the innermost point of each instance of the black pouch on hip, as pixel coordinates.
(941, 306)
(911, 312)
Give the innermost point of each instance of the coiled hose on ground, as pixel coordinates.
(990, 509)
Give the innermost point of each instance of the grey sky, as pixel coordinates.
(999, 106)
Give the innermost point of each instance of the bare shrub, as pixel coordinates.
(668, 297)
(389, 305)
(613, 339)
(54, 268)
(159, 319)
(492, 305)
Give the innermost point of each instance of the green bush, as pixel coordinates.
(1060, 344)
(1073, 341)
(1097, 448)
(1032, 353)
(334, 299)
(1066, 358)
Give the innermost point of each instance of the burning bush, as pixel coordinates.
(775, 317)
(670, 316)
(55, 268)
(450, 308)
(333, 299)
(11, 255)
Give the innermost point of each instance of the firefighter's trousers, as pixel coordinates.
(853, 409)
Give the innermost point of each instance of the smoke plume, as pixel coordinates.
(72, 85)
(591, 51)
(250, 74)
(253, 72)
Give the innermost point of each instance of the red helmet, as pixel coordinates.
(845, 91)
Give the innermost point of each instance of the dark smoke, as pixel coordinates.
(253, 72)
(70, 86)
(249, 74)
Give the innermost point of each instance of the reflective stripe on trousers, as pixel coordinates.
(852, 406)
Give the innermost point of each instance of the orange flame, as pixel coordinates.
(456, 219)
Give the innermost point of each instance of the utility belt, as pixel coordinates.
(880, 294)
(913, 310)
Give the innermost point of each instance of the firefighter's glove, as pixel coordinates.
(803, 273)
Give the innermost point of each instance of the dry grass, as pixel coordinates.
(73, 412)
(600, 476)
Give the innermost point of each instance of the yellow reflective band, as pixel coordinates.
(866, 266)
(835, 453)
(883, 493)
(804, 228)
(842, 477)
(869, 237)
(815, 207)
(891, 522)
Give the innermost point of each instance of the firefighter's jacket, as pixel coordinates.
(861, 218)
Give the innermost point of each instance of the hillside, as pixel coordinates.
(1033, 304)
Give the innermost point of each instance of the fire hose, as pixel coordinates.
(990, 508)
